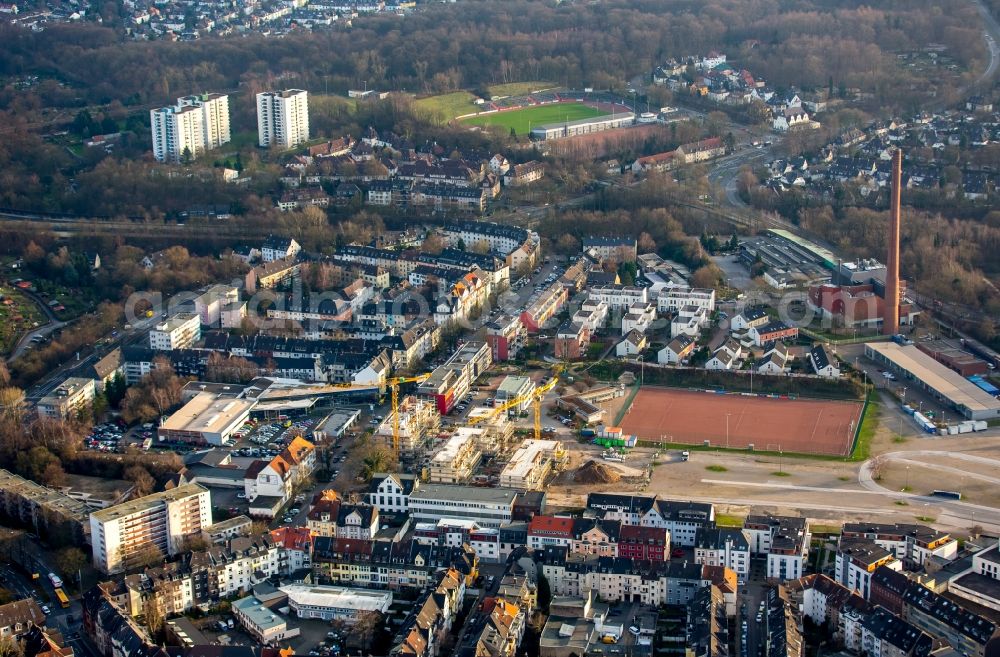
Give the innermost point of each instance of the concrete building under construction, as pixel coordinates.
(419, 421)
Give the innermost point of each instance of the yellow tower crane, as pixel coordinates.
(535, 396)
(394, 384)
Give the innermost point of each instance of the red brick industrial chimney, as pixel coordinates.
(890, 319)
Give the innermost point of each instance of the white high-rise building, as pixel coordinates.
(283, 118)
(215, 114)
(123, 534)
(194, 125)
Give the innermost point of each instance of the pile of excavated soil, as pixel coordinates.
(593, 472)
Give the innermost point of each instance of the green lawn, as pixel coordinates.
(522, 120)
(728, 520)
(446, 107)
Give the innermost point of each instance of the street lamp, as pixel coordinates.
(907, 486)
(642, 369)
(727, 430)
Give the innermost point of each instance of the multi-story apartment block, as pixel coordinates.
(383, 564)
(546, 305)
(644, 543)
(616, 578)
(195, 125)
(595, 536)
(980, 584)
(179, 332)
(499, 238)
(857, 561)
(514, 388)
(723, 547)
(674, 298)
(618, 297)
(506, 336)
(283, 118)
(450, 382)
(547, 531)
(278, 248)
(202, 578)
(162, 521)
(214, 110)
(910, 543)
(489, 507)
(785, 541)
(593, 314)
(178, 133)
(431, 618)
(966, 632)
(45, 510)
(73, 396)
(357, 521)
(681, 519)
(209, 305)
(572, 339)
(689, 320)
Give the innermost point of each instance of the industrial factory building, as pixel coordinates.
(915, 367)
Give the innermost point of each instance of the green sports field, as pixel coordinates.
(522, 120)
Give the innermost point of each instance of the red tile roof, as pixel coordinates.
(551, 526)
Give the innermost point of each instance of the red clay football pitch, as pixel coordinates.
(808, 426)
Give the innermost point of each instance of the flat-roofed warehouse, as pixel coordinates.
(208, 419)
(943, 383)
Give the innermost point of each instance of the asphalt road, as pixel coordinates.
(58, 375)
(45, 330)
(991, 34)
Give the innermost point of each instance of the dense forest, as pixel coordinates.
(445, 47)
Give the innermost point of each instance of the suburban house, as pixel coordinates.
(823, 362)
(678, 350)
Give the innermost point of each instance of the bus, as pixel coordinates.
(63, 599)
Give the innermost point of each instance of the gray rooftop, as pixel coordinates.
(464, 493)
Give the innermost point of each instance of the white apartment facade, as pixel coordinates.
(209, 305)
(858, 560)
(162, 520)
(618, 297)
(179, 332)
(488, 507)
(390, 493)
(283, 118)
(678, 297)
(911, 543)
(640, 317)
(723, 547)
(196, 124)
(73, 396)
(214, 110)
